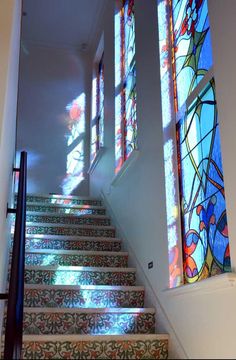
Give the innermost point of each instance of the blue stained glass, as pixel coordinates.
(205, 232)
(192, 45)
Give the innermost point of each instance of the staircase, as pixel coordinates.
(81, 300)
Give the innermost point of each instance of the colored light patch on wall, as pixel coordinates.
(192, 55)
(203, 208)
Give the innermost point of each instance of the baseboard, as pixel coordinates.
(176, 349)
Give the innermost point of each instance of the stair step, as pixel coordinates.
(144, 346)
(66, 209)
(79, 275)
(70, 230)
(68, 219)
(63, 199)
(84, 296)
(76, 258)
(106, 321)
(38, 241)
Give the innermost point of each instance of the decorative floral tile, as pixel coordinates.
(83, 298)
(69, 220)
(87, 323)
(76, 260)
(64, 277)
(110, 349)
(80, 231)
(65, 210)
(93, 245)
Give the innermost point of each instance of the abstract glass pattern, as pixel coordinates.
(97, 126)
(125, 82)
(191, 42)
(205, 232)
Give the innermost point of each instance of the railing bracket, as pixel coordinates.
(16, 169)
(3, 296)
(11, 211)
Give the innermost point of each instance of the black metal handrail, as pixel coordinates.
(14, 320)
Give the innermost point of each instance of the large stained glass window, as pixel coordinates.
(97, 128)
(189, 100)
(192, 56)
(125, 82)
(205, 234)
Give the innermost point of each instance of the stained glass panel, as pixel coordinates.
(192, 55)
(125, 81)
(205, 235)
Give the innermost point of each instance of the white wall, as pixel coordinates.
(50, 79)
(200, 318)
(10, 16)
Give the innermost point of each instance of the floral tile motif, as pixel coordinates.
(65, 277)
(80, 231)
(76, 260)
(83, 298)
(65, 210)
(87, 323)
(37, 243)
(63, 201)
(110, 349)
(68, 220)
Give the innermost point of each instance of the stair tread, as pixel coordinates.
(72, 338)
(94, 227)
(51, 214)
(61, 196)
(72, 206)
(80, 268)
(76, 252)
(72, 237)
(85, 287)
(89, 310)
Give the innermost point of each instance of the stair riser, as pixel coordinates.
(51, 200)
(76, 260)
(88, 324)
(64, 277)
(73, 245)
(110, 349)
(67, 220)
(48, 230)
(65, 210)
(83, 298)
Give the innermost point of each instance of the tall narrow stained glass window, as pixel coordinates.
(125, 83)
(97, 125)
(200, 173)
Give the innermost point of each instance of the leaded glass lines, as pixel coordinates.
(125, 80)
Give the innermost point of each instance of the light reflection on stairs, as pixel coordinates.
(81, 300)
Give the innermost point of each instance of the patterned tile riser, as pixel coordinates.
(83, 298)
(72, 245)
(67, 210)
(63, 277)
(88, 324)
(67, 220)
(48, 200)
(47, 230)
(77, 260)
(156, 349)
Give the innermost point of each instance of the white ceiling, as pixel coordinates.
(61, 23)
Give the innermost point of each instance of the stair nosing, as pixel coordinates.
(84, 287)
(74, 338)
(81, 268)
(75, 252)
(117, 310)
